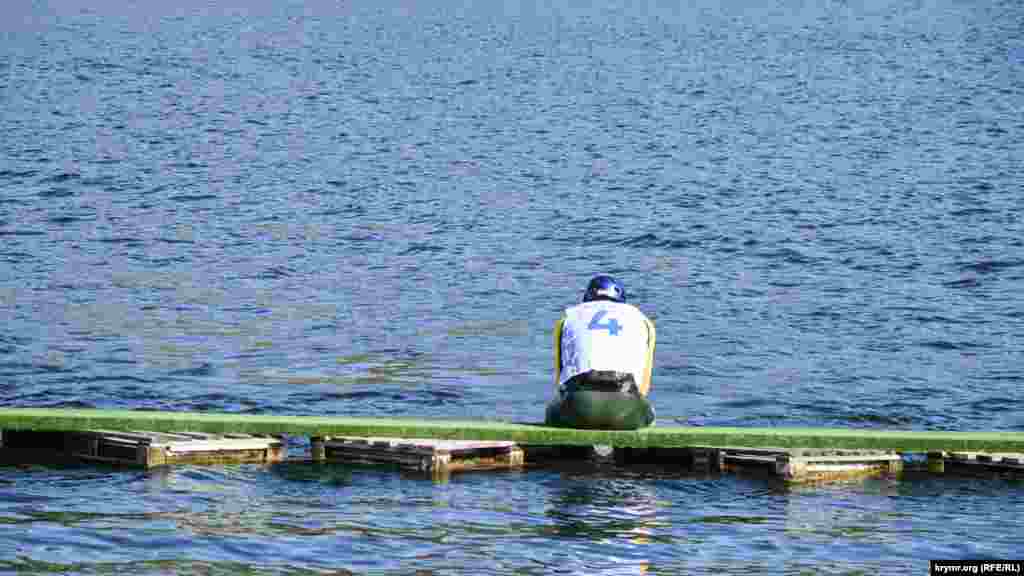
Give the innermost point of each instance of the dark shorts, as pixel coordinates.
(600, 400)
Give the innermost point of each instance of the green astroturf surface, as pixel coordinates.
(659, 436)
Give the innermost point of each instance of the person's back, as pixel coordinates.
(604, 353)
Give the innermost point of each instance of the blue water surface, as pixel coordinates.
(380, 208)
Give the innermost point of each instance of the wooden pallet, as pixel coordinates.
(788, 464)
(141, 449)
(976, 462)
(424, 455)
(807, 465)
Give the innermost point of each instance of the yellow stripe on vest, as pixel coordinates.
(645, 386)
(558, 350)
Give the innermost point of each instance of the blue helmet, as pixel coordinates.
(604, 288)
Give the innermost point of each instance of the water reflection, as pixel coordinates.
(608, 520)
(591, 519)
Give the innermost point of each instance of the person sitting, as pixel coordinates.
(604, 356)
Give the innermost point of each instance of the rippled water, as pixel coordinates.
(380, 208)
(302, 519)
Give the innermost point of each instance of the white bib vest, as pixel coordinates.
(604, 335)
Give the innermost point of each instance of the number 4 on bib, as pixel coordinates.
(612, 325)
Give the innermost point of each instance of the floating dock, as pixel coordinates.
(524, 434)
(440, 447)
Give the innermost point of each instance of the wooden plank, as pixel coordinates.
(429, 445)
(260, 456)
(126, 436)
(219, 445)
(841, 459)
(219, 423)
(804, 466)
(199, 435)
(986, 456)
(795, 471)
(751, 458)
(987, 462)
